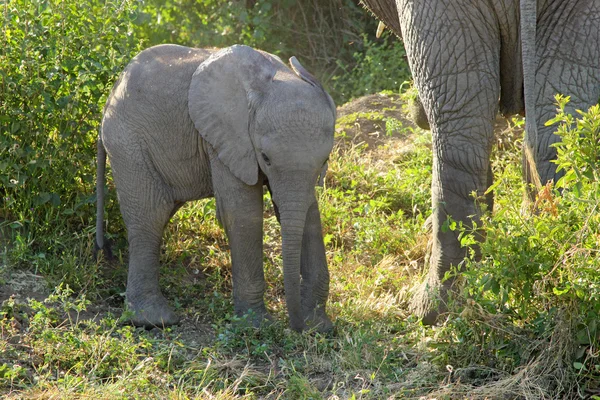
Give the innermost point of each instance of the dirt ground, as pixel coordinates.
(363, 122)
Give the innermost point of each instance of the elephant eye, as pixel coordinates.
(267, 161)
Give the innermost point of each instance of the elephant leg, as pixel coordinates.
(569, 64)
(458, 195)
(240, 209)
(146, 207)
(144, 296)
(314, 272)
(454, 56)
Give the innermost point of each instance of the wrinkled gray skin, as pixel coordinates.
(467, 64)
(183, 124)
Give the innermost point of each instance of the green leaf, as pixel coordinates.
(560, 292)
(579, 366)
(42, 198)
(583, 337)
(15, 127)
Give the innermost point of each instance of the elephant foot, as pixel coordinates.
(151, 311)
(430, 300)
(316, 320)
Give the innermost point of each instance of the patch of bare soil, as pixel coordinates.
(364, 120)
(23, 285)
(193, 332)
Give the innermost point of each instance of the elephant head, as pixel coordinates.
(267, 123)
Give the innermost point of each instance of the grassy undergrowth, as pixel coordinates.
(373, 208)
(523, 326)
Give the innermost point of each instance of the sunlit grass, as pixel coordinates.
(373, 212)
(374, 205)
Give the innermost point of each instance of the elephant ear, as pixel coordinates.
(303, 73)
(224, 90)
(307, 77)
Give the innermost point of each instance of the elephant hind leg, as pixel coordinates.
(569, 64)
(146, 206)
(144, 296)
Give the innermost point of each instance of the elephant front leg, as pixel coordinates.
(458, 195)
(240, 211)
(315, 275)
(453, 48)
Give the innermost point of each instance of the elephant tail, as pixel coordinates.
(528, 51)
(101, 244)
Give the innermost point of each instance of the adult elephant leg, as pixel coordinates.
(458, 195)
(568, 53)
(240, 210)
(454, 56)
(146, 207)
(315, 275)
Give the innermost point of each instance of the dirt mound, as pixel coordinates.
(376, 119)
(372, 120)
(390, 105)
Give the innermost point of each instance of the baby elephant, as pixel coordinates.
(184, 124)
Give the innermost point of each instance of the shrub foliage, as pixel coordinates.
(57, 65)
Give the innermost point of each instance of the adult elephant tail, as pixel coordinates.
(528, 52)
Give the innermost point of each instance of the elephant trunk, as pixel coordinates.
(293, 205)
(292, 231)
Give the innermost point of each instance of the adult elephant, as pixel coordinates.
(183, 124)
(469, 60)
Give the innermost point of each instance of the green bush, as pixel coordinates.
(57, 65)
(380, 65)
(539, 270)
(552, 252)
(328, 37)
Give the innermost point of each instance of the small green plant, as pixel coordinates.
(538, 272)
(578, 151)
